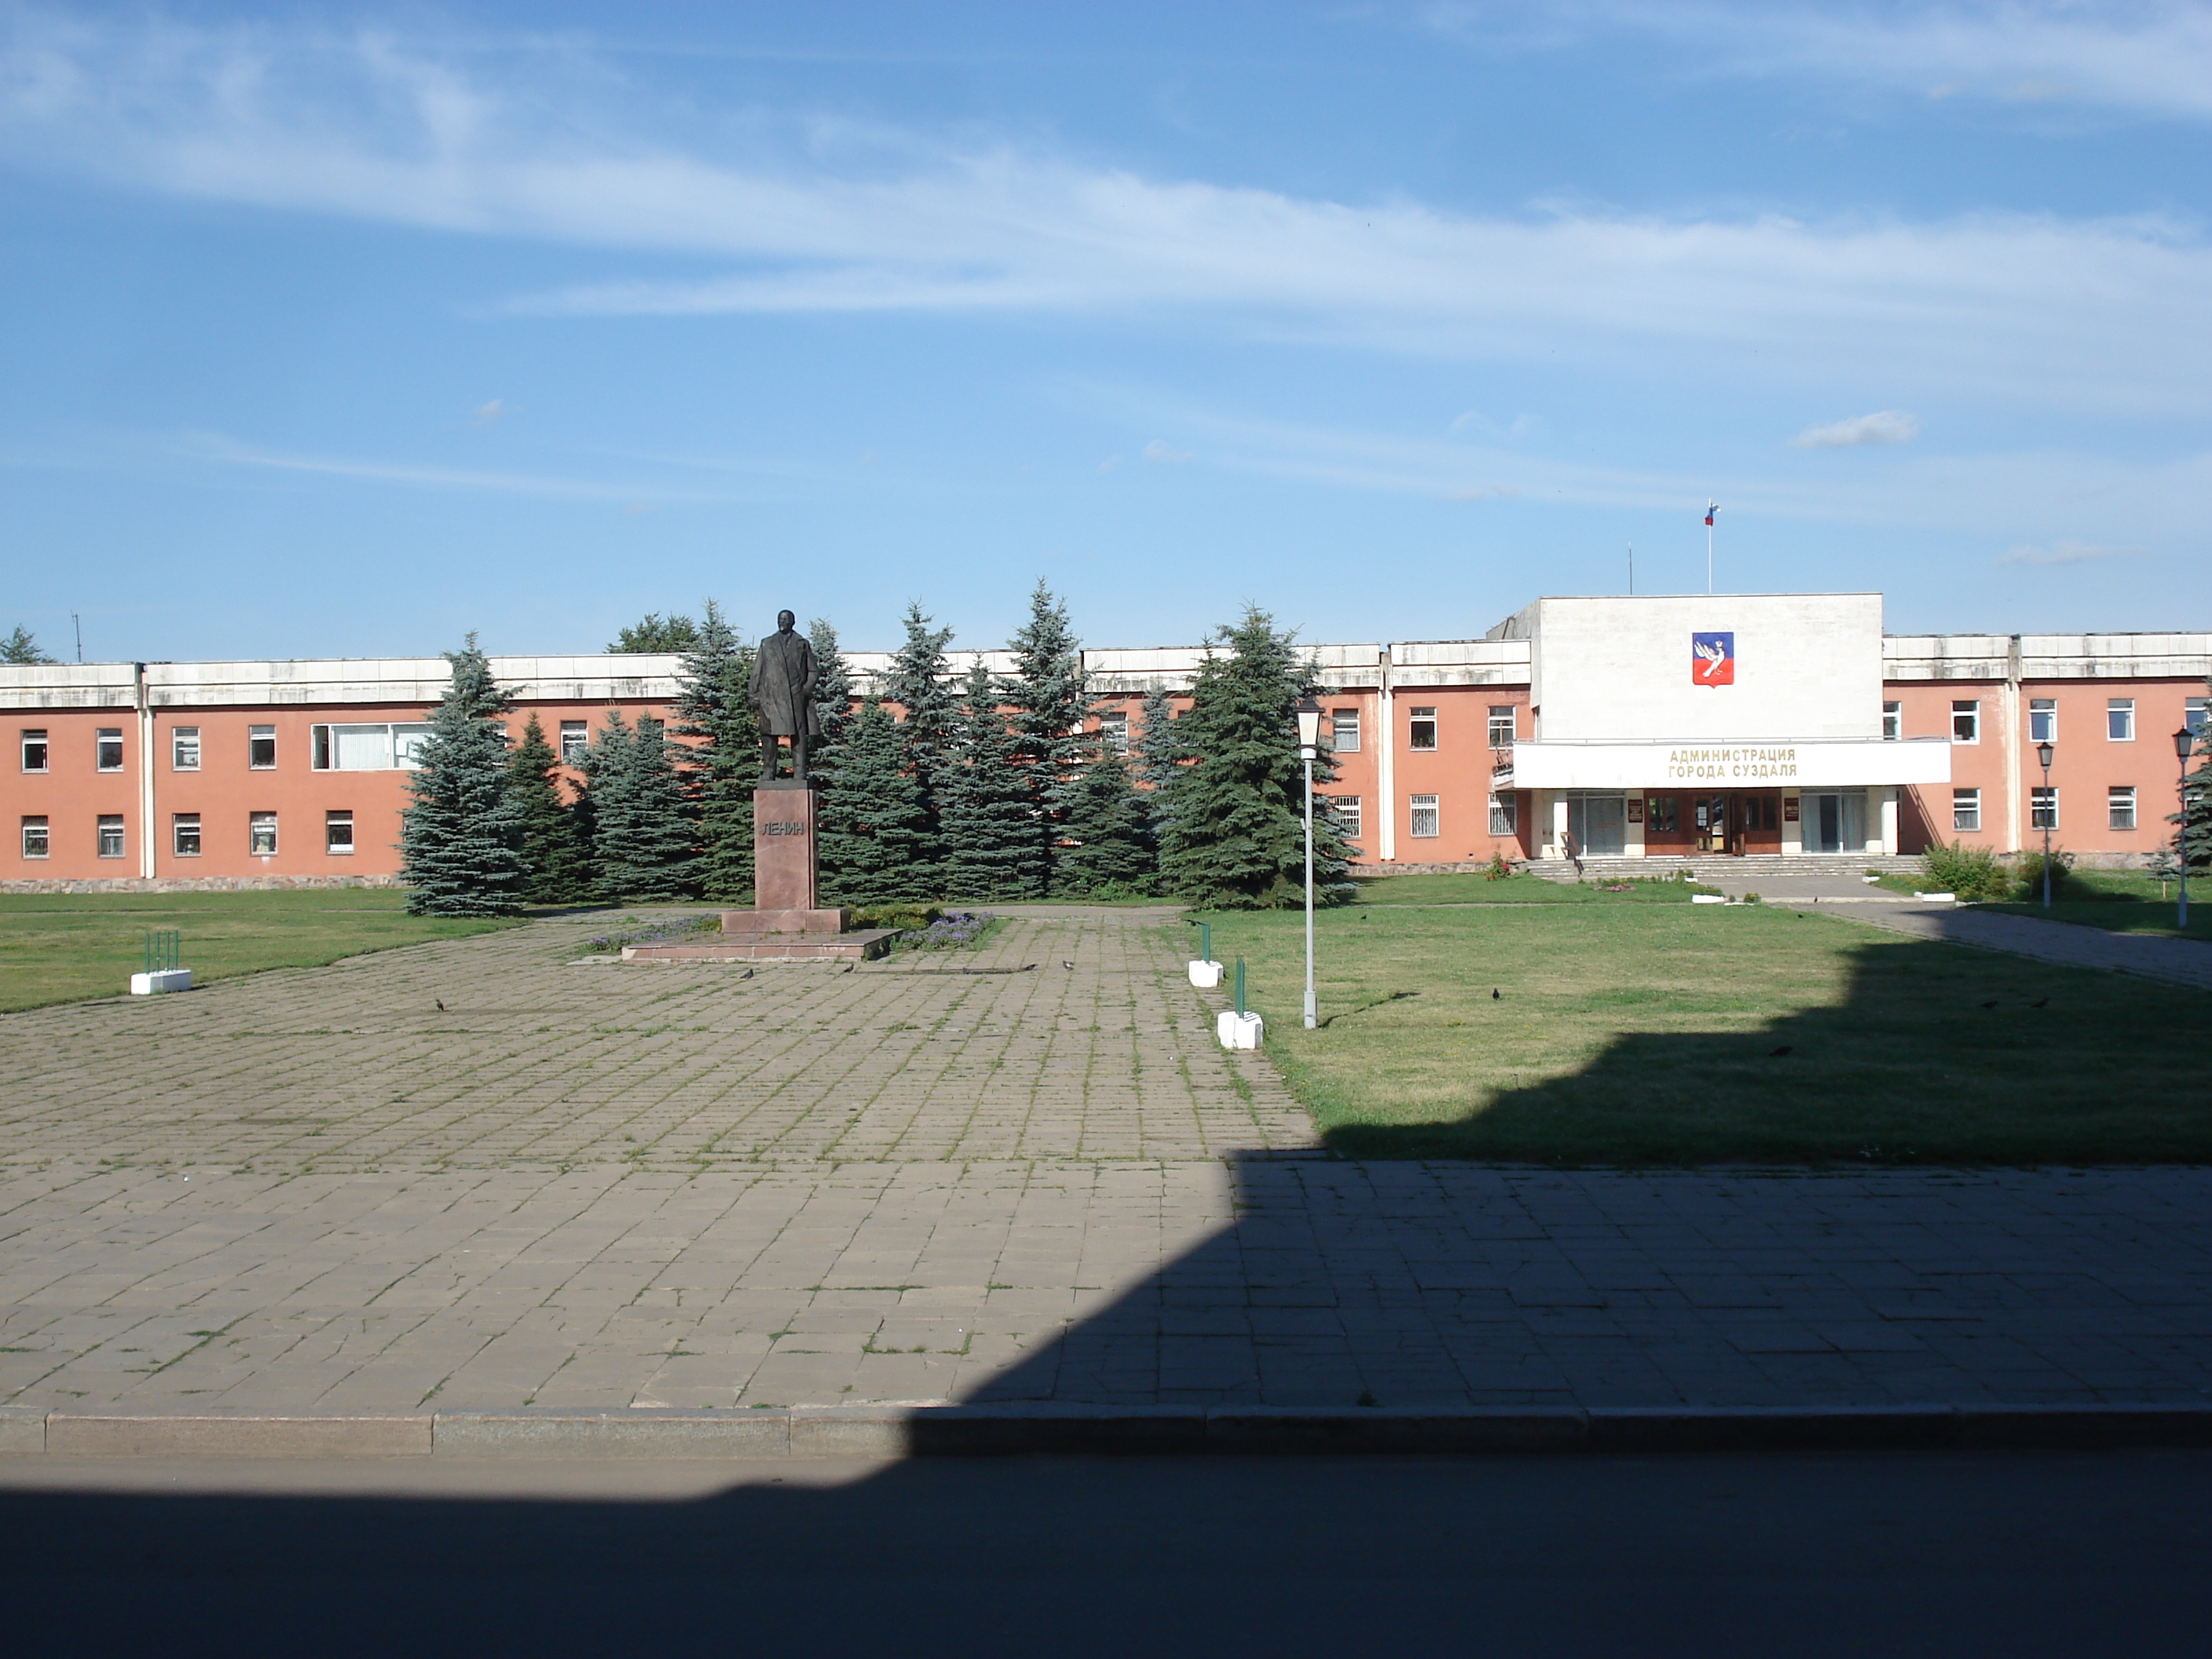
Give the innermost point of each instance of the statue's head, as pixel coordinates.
(784, 621)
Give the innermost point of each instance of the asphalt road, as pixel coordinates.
(1843, 1554)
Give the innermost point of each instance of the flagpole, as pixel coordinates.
(1711, 509)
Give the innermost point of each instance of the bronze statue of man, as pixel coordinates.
(782, 692)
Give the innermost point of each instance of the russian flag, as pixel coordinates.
(1711, 508)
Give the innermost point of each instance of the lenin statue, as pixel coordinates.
(783, 697)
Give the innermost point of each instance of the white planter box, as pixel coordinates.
(1236, 1030)
(167, 979)
(1708, 898)
(1938, 898)
(1206, 974)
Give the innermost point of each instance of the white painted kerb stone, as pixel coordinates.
(1237, 1031)
(1205, 975)
(165, 979)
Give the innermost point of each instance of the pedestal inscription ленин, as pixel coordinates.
(783, 866)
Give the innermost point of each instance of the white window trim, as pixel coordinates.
(1961, 706)
(44, 825)
(176, 736)
(1416, 805)
(2116, 706)
(99, 828)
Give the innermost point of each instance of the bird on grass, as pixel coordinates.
(1494, 997)
(442, 1006)
(747, 974)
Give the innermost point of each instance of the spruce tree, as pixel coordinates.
(642, 839)
(1235, 837)
(833, 703)
(989, 820)
(1160, 755)
(873, 829)
(713, 704)
(459, 844)
(917, 682)
(558, 869)
(2192, 835)
(1109, 831)
(22, 646)
(1049, 697)
(655, 635)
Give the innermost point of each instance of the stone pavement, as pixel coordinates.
(2178, 961)
(590, 1186)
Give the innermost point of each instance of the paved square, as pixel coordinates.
(675, 1186)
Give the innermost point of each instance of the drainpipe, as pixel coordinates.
(1386, 761)
(2011, 715)
(139, 696)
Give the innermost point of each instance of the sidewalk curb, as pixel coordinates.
(991, 1430)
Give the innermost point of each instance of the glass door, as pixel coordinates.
(1599, 824)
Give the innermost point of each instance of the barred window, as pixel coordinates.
(1421, 815)
(1344, 808)
(1502, 815)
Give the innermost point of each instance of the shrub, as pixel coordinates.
(1499, 869)
(1972, 872)
(904, 917)
(953, 929)
(2030, 875)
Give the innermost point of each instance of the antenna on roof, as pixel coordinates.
(1632, 570)
(77, 624)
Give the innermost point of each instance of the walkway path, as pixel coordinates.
(674, 1185)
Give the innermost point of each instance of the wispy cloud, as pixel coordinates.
(1888, 426)
(230, 452)
(2149, 58)
(1165, 454)
(2064, 553)
(487, 413)
(812, 217)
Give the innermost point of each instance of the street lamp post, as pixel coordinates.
(2185, 740)
(1309, 749)
(2050, 812)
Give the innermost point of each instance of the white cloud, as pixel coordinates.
(1888, 426)
(231, 453)
(487, 413)
(1159, 449)
(827, 219)
(2149, 58)
(2064, 553)
(1109, 464)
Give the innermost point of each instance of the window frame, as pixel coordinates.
(1503, 716)
(1415, 720)
(1965, 811)
(2120, 711)
(1970, 712)
(181, 737)
(28, 738)
(1893, 722)
(256, 736)
(1504, 814)
(2043, 807)
(331, 820)
(1113, 731)
(181, 826)
(1348, 814)
(255, 823)
(574, 737)
(107, 825)
(324, 748)
(2120, 804)
(1339, 721)
(2043, 719)
(104, 737)
(1415, 806)
(38, 825)
(2196, 714)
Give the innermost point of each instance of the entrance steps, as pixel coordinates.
(1710, 866)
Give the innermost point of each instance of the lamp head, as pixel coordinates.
(2185, 740)
(1309, 713)
(2043, 751)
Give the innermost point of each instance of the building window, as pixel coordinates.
(2120, 807)
(1893, 721)
(337, 832)
(382, 747)
(2120, 720)
(1965, 722)
(185, 835)
(261, 747)
(1504, 816)
(1421, 815)
(1967, 809)
(34, 750)
(185, 749)
(2196, 714)
(2043, 807)
(1660, 816)
(1421, 729)
(575, 738)
(34, 838)
(107, 749)
(1113, 731)
(111, 835)
(1344, 731)
(2042, 720)
(1344, 808)
(1501, 725)
(261, 835)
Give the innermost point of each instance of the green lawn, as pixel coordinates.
(1520, 888)
(67, 947)
(1648, 1033)
(2119, 901)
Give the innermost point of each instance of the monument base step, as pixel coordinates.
(862, 944)
(785, 921)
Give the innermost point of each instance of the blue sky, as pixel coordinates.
(340, 331)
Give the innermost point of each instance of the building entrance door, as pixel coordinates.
(1835, 824)
(1599, 824)
(1713, 818)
